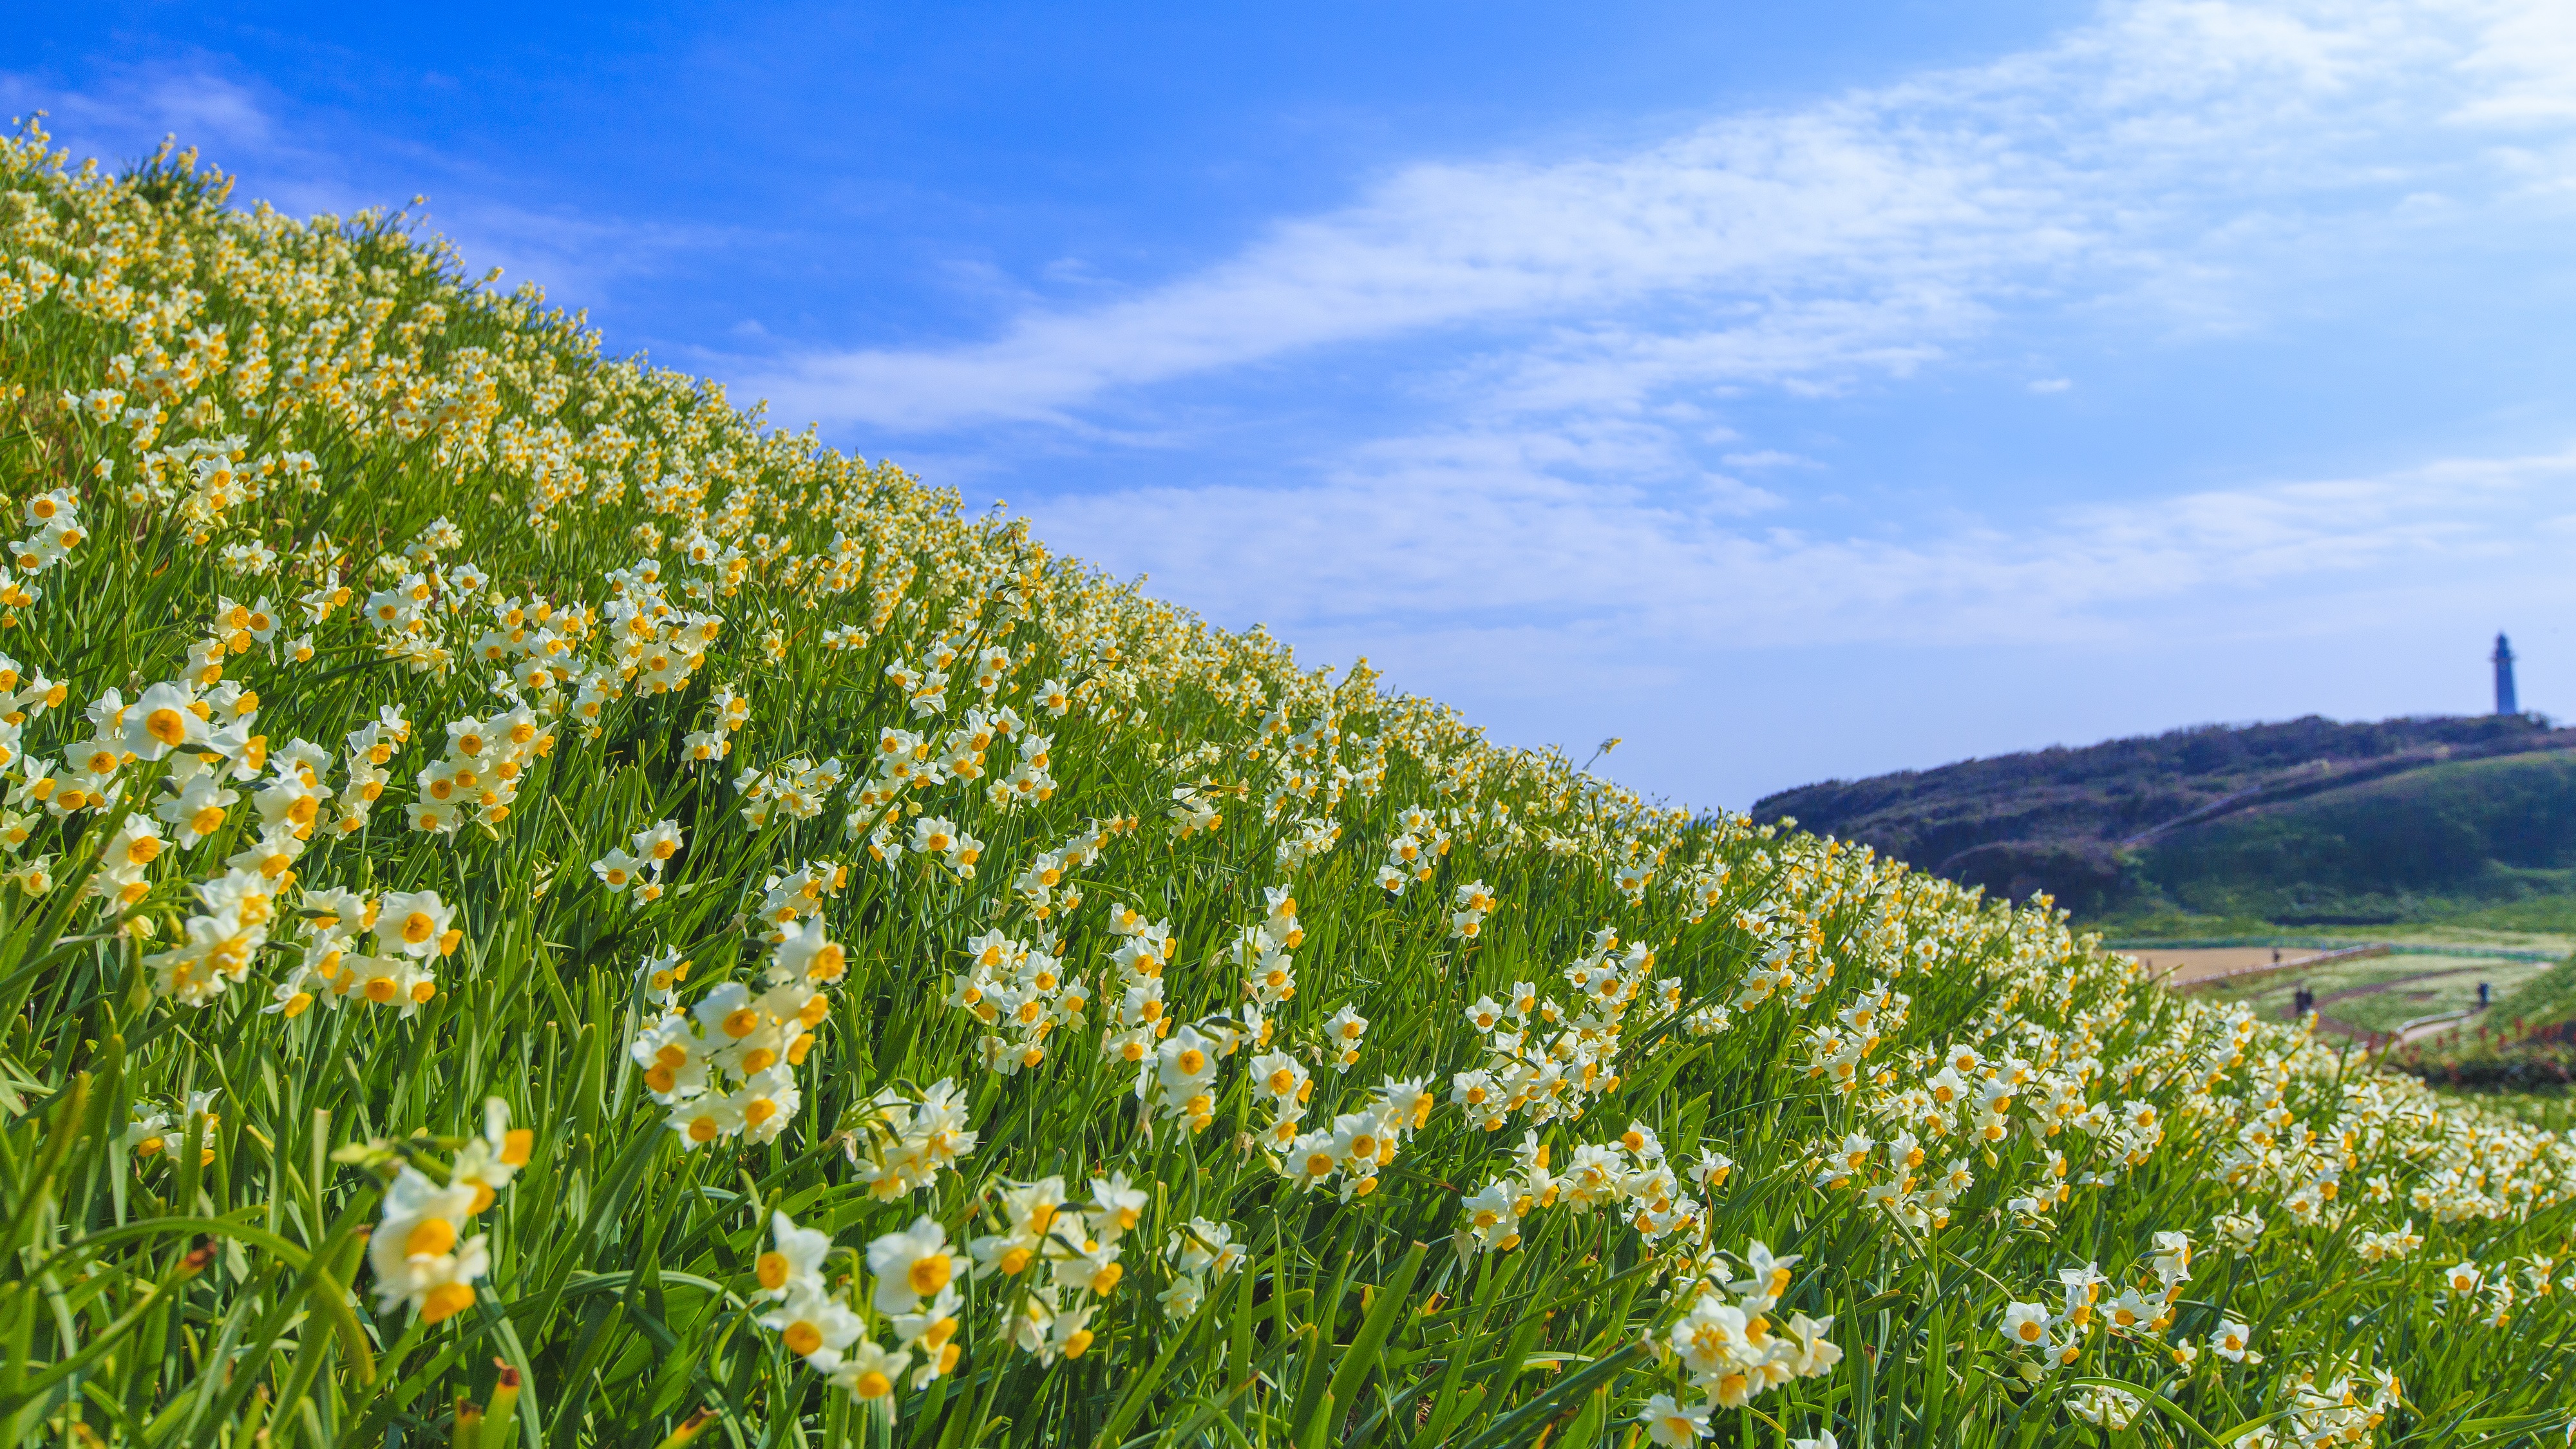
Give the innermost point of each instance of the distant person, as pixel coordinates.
(2483, 989)
(2276, 955)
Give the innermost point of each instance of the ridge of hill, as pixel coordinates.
(758, 952)
(2267, 819)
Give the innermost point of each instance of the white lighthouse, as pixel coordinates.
(2505, 702)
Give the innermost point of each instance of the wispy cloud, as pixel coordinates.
(1474, 570)
(2157, 153)
(1479, 531)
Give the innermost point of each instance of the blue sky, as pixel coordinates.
(1795, 391)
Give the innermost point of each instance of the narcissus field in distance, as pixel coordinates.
(543, 910)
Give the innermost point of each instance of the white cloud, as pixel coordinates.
(2150, 153)
(2046, 385)
(1437, 534)
(1467, 569)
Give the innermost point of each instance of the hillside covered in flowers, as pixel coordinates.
(543, 910)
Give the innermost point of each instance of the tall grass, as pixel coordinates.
(1211, 1051)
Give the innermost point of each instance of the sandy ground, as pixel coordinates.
(2179, 967)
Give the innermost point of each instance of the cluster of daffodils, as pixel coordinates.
(726, 1066)
(1630, 1174)
(530, 642)
(1309, 839)
(1201, 1254)
(656, 646)
(367, 751)
(1545, 1060)
(1730, 1349)
(1046, 888)
(1308, 768)
(907, 761)
(147, 1132)
(726, 714)
(1134, 1018)
(936, 842)
(1020, 993)
(1192, 811)
(1701, 890)
(417, 1250)
(1470, 904)
(1637, 872)
(1415, 852)
(2345, 1409)
(900, 1142)
(2487, 1294)
(914, 1291)
(413, 932)
(55, 520)
(641, 868)
(2056, 1337)
(479, 776)
(1260, 950)
(411, 619)
(1983, 1098)
(1839, 1051)
(1177, 1078)
(793, 789)
(1074, 1254)
(1357, 1144)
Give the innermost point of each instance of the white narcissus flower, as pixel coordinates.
(416, 924)
(910, 1265)
(869, 1371)
(1491, 1214)
(164, 719)
(616, 870)
(815, 1326)
(1121, 1206)
(2229, 1342)
(1670, 1424)
(2026, 1324)
(415, 1249)
(1185, 1063)
(795, 1261)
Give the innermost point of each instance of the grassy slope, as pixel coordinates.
(1796, 1007)
(2112, 790)
(2440, 839)
(2496, 830)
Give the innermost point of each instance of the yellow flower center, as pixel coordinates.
(446, 1301)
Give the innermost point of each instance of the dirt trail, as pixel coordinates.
(2186, 965)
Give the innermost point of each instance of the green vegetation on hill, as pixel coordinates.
(2305, 823)
(2491, 830)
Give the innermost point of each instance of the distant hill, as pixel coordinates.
(2312, 820)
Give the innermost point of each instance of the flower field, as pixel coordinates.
(543, 910)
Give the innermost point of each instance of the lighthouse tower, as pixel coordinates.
(2505, 703)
